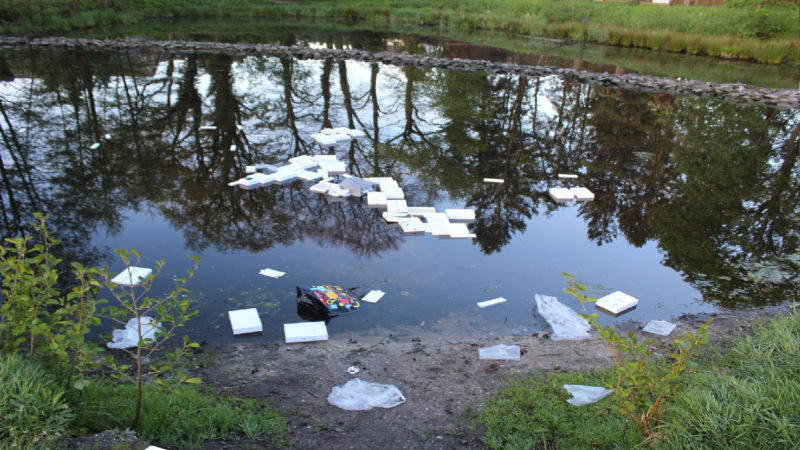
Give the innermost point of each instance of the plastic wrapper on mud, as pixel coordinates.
(565, 323)
(324, 302)
(583, 395)
(358, 395)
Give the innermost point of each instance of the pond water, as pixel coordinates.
(696, 200)
(456, 43)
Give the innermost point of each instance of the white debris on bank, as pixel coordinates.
(244, 321)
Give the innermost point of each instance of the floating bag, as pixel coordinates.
(326, 301)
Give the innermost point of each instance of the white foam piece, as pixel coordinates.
(322, 187)
(659, 327)
(305, 332)
(582, 194)
(208, 128)
(94, 146)
(328, 131)
(397, 206)
(420, 210)
(373, 296)
(617, 302)
(245, 321)
(386, 183)
(333, 167)
(453, 230)
(263, 178)
(108, 136)
(376, 199)
(561, 194)
(319, 158)
(271, 273)
(436, 218)
(394, 193)
(460, 214)
(323, 140)
(567, 175)
(233, 148)
(412, 225)
(494, 180)
(308, 176)
(301, 158)
(378, 179)
(252, 180)
(130, 276)
(394, 217)
(340, 137)
(250, 169)
(357, 134)
(346, 175)
(153, 447)
(496, 301)
(342, 130)
(234, 183)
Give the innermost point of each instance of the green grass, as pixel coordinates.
(752, 400)
(532, 413)
(694, 30)
(182, 418)
(33, 413)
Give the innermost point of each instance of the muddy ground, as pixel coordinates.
(445, 383)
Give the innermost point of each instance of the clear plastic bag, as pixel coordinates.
(129, 337)
(500, 352)
(659, 327)
(358, 395)
(564, 322)
(583, 395)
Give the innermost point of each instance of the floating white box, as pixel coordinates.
(262, 178)
(245, 321)
(269, 167)
(394, 217)
(394, 193)
(305, 332)
(582, 194)
(108, 136)
(357, 134)
(332, 167)
(131, 273)
(373, 296)
(494, 180)
(322, 187)
(271, 273)
(420, 210)
(250, 169)
(301, 158)
(386, 183)
(208, 128)
(561, 195)
(496, 301)
(659, 327)
(397, 206)
(342, 130)
(323, 140)
(95, 146)
(412, 225)
(379, 179)
(249, 181)
(376, 199)
(340, 137)
(460, 214)
(617, 302)
(328, 131)
(233, 148)
(234, 183)
(567, 175)
(452, 229)
(436, 218)
(281, 177)
(308, 176)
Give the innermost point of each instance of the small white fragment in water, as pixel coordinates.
(234, 183)
(561, 194)
(233, 148)
(659, 327)
(373, 296)
(352, 370)
(131, 276)
(208, 128)
(412, 226)
(496, 301)
(94, 146)
(239, 127)
(108, 136)
(567, 175)
(460, 214)
(616, 302)
(322, 187)
(582, 194)
(420, 210)
(305, 332)
(250, 169)
(493, 180)
(245, 321)
(500, 351)
(272, 273)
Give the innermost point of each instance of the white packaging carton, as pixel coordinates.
(582, 194)
(394, 193)
(460, 214)
(561, 194)
(323, 140)
(305, 332)
(412, 226)
(130, 276)
(617, 302)
(245, 321)
(373, 296)
(397, 206)
(376, 199)
(420, 210)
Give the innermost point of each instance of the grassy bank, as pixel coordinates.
(767, 35)
(746, 399)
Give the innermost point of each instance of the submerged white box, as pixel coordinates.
(561, 195)
(131, 273)
(617, 302)
(245, 321)
(305, 332)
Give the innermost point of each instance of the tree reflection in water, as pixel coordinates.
(715, 185)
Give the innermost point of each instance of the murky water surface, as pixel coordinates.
(696, 201)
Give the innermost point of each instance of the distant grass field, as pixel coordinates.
(767, 35)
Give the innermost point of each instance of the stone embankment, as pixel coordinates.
(734, 92)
